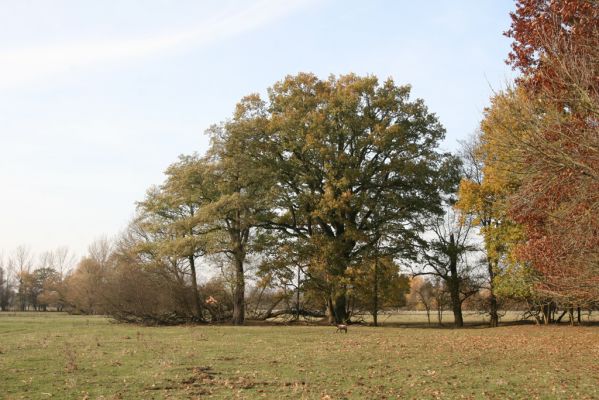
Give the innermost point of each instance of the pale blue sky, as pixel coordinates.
(98, 97)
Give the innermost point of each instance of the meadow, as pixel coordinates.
(57, 356)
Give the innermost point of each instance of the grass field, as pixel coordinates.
(55, 356)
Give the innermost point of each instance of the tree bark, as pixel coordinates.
(454, 284)
(239, 292)
(456, 305)
(375, 299)
(547, 310)
(493, 307)
(297, 296)
(339, 308)
(330, 310)
(559, 319)
(194, 285)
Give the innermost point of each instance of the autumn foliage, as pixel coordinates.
(546, 136)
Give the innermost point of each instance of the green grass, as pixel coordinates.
(55, 356)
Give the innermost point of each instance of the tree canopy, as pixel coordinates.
(354, 163)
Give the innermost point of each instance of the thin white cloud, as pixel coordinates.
(23, 66)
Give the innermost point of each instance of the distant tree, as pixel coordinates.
(6, 292)
(84, 293)
(43, 281)
(421, 295)
(378, 286)
(3, 280)
(87, 286)
(63, 260)
(445, 256)
(441, 298)
(22, 263)
(55, 289)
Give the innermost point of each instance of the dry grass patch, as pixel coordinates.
(74, 357)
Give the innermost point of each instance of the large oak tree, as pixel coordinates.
(354, 163)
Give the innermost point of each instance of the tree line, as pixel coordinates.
(535, 194)
(331, 198)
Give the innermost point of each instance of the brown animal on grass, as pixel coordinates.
(341, 327)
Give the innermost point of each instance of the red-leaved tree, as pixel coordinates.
(556, 48)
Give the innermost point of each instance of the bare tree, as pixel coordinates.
(64, 260)
(421, 294)
(445, 256)
(100, 250)
(21, 262)
(5, 285)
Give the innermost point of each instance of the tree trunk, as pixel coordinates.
(454, 285)
(559, 319)
(547, 311)
(571, 315)
(339, 308)
(330, 310)
(375, 298)
(493, 313)
(456, 306)
(493, 307)
(194, 285)
(21, 296)
(297, 296)
(239, 292)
